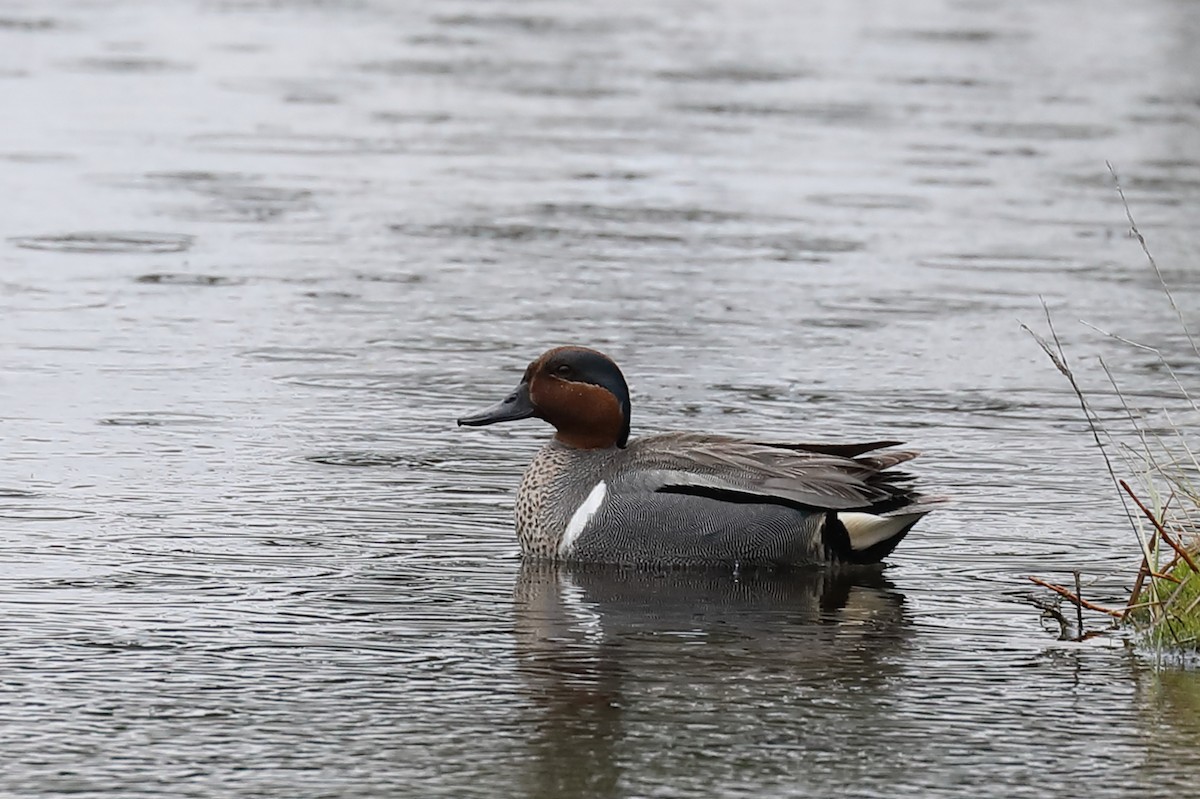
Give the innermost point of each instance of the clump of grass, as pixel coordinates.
(1165, 601)
(1178, 623)
(1163, 608)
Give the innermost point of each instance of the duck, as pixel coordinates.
(689, 499)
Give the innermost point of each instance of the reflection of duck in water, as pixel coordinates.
(591, 495)
(611, 654)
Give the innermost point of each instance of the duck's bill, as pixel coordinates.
(515, 406)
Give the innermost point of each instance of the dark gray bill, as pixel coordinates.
(515, 406)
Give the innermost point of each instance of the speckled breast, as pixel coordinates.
(555, 484)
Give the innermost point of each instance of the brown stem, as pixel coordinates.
(1058, 589)
(1136, 593)
(1179, 550)
(1079, 604)
(1170, 577)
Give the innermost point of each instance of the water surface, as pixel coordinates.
(257, 256)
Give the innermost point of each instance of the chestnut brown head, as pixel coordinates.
(578, 390)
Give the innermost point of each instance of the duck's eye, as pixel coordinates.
(563, 370)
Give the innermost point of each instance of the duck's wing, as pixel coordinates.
(843, 450)
(808, 476)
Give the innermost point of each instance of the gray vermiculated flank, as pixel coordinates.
(692, 499)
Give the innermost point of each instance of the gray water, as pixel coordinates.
(257, 255)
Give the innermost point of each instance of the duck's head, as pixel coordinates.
(579, 391)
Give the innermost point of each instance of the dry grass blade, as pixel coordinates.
(1153, 263)
(1058, 362)
(1059, 359)
(1157, 354)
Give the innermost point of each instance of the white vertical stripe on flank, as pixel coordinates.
(581, 517)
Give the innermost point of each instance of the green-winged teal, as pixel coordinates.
(691, 499)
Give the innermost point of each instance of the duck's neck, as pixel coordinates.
(586, 439)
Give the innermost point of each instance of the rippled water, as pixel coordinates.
(257, 255)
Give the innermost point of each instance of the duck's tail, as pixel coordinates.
(859, 537)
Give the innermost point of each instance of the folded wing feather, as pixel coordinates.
(738, 470)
